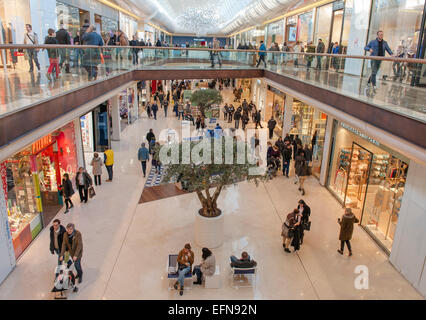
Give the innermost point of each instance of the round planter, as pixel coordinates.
(209, 231)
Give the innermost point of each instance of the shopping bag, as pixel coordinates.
(92, 192)
(102, 59)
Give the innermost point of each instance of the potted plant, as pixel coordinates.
(205, 99)
(207, 179)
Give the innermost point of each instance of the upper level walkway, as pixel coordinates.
(394, 105)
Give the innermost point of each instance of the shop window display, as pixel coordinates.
(370, 179)
(21, 194)
(275, 107)
(305, 27)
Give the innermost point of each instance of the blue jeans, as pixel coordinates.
(109, 169)
(180, 114)
(375, 66)
(286, 168)
(197, 271)
(182, 273)
(165, 112)
(143, 167)
(77, 265)
(234, 258)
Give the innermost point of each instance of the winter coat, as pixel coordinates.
(122, 39)
(237, 115)
(75, 247)
(243, 263)
(374, 44)
(149, 136)
(67, 188)
(61, 233)
(280, 145)
(306, 212)
(63, 36)
(272, 123)
(301, 167)
(87, 180)
(96, 163)
(347, 226)
(52, 53)
(287, 153)
(208, 266)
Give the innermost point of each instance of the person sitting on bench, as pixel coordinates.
(207, 266)
(185, 260)
(244, 262)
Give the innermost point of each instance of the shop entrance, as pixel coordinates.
(357, 181)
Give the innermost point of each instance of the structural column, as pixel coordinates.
(135, 100)
(116, 120)
(326, 150)
(288, 114)
(262, 99)
(79, 143)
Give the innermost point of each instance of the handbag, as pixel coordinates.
(306, 225)
(92, 192)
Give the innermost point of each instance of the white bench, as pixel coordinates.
(214, 281)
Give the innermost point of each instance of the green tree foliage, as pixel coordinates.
(201, 177)
(204, 99)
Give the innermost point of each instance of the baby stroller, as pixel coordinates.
(273, 166)
(64, 280)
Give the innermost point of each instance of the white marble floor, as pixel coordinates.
(126, 244)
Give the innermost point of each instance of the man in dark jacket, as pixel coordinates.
(73, 243)
(280, 144)
(154, 109)
(63, 38)
(150, 135)
(231, 111)
(271, 126)
(56, 237)
(243, 262)
(237, 117)
(83, 181)
(286, 158)
(135, 43)
(83, 29)
(257, 118)
(320, 49)
(308, 154)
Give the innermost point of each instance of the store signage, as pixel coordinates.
(42, 143)
(358, 133)
(338, 5)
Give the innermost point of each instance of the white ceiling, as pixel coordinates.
(210, 16)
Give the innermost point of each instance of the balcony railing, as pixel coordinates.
(398, 89)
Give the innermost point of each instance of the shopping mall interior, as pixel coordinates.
(342, 82)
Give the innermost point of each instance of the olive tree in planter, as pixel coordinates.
(220, 167)
(205, 98)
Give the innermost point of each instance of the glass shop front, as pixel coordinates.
(369, 178)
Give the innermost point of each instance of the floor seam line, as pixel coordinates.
(300, 259)
(122, 244)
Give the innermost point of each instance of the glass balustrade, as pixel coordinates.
(67, 68)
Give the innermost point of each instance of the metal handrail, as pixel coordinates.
(58, 46)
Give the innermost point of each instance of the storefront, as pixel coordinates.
(32, 178)
(275, 33)
(275, 100)
(310, 124)
(96, 129)
(128, 25)
(369, 178)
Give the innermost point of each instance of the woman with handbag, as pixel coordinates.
(288, 229)
(302, 170)
(67, 192)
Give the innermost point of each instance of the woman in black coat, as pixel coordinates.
(305, 210)
(67, 191)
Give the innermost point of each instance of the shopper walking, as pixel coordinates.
(165, 106)
(262, 55)
(109, 162)
(301, 169)
(143, 157)
(135, 43)
(73, 244)
(122, 41)
(286, 159)
(320, 49)
(181, 111)
(287, 231)
(154, 109)
(377, 48)
(67, 192)
(31, 37)
(271, 126)
(207, 266)
(96, 163)
(92, 56)
(231, 111)
(237, 117)
(305, 211)
(346, 230)
(83, 181)
(53, 54)
(77, 51)
(185, 260)
(57, 232)
(63, 38)
(257, 118)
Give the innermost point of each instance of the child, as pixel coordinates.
(52, 53)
